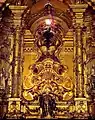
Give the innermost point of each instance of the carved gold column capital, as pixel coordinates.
(78, 10)
(17, 11)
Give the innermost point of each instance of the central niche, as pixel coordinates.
(47, 83)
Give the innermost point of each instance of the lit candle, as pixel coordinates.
(48, 21)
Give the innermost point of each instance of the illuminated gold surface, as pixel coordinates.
(30, 77)
(45, 82)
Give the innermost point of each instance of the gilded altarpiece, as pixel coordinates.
(48, 73)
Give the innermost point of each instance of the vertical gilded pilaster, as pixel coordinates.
(16, 58)
(84, 38)
(17, 12)
(81, 110)
(10, 61)
(78, 10)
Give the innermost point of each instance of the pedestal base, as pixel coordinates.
(81, 108)
(14, 108)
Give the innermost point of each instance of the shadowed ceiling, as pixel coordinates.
(32, 2)
(36, 5)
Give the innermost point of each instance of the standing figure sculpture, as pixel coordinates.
(43, 106)
(47, 105)
(52, 107)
